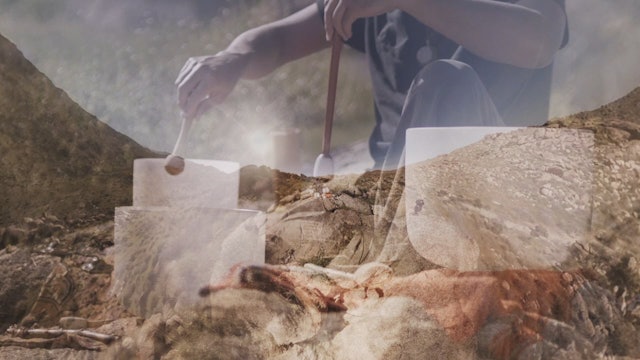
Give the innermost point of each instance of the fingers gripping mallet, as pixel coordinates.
(324, 163)
(174, 163)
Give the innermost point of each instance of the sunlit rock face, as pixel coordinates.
(291, 312)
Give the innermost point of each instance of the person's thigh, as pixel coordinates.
(444, 93)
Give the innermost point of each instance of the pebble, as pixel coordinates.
(546, 191)
(88, 267)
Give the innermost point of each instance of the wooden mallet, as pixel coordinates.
(324, 162)
(174, 164)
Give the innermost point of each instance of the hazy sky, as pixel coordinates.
(602, 60)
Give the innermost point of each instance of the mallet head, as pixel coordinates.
(323, 165)
(174, 164)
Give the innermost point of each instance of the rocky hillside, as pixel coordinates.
(56, 158)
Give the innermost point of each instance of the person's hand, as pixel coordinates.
(339, 15)
(206, 81)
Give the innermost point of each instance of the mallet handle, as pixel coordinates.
(331, 93)
(184, 129)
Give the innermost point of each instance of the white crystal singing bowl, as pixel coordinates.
(203, 183)
(496, 204)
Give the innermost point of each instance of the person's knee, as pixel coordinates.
(446, 72)
(449, 93)
(448, 81)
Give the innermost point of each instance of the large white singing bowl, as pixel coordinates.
(203, 183)
(498, 198)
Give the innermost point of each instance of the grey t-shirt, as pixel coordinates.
(397, 46)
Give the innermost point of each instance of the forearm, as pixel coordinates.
(260, 49)
(514, 34)
(270, 46)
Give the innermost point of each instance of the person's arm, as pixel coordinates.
(272, 45)
(526, 34)
(207, 80)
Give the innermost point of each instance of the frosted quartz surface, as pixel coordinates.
(515, 200)
(163, 256)
(427, 143)
(203, 183)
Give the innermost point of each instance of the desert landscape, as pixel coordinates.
(343, 277)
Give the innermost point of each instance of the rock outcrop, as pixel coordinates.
(345, 279)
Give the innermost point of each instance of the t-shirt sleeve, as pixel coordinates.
(356, 40)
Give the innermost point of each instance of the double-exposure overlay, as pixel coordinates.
(331, 179)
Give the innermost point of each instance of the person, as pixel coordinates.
(432, 62)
